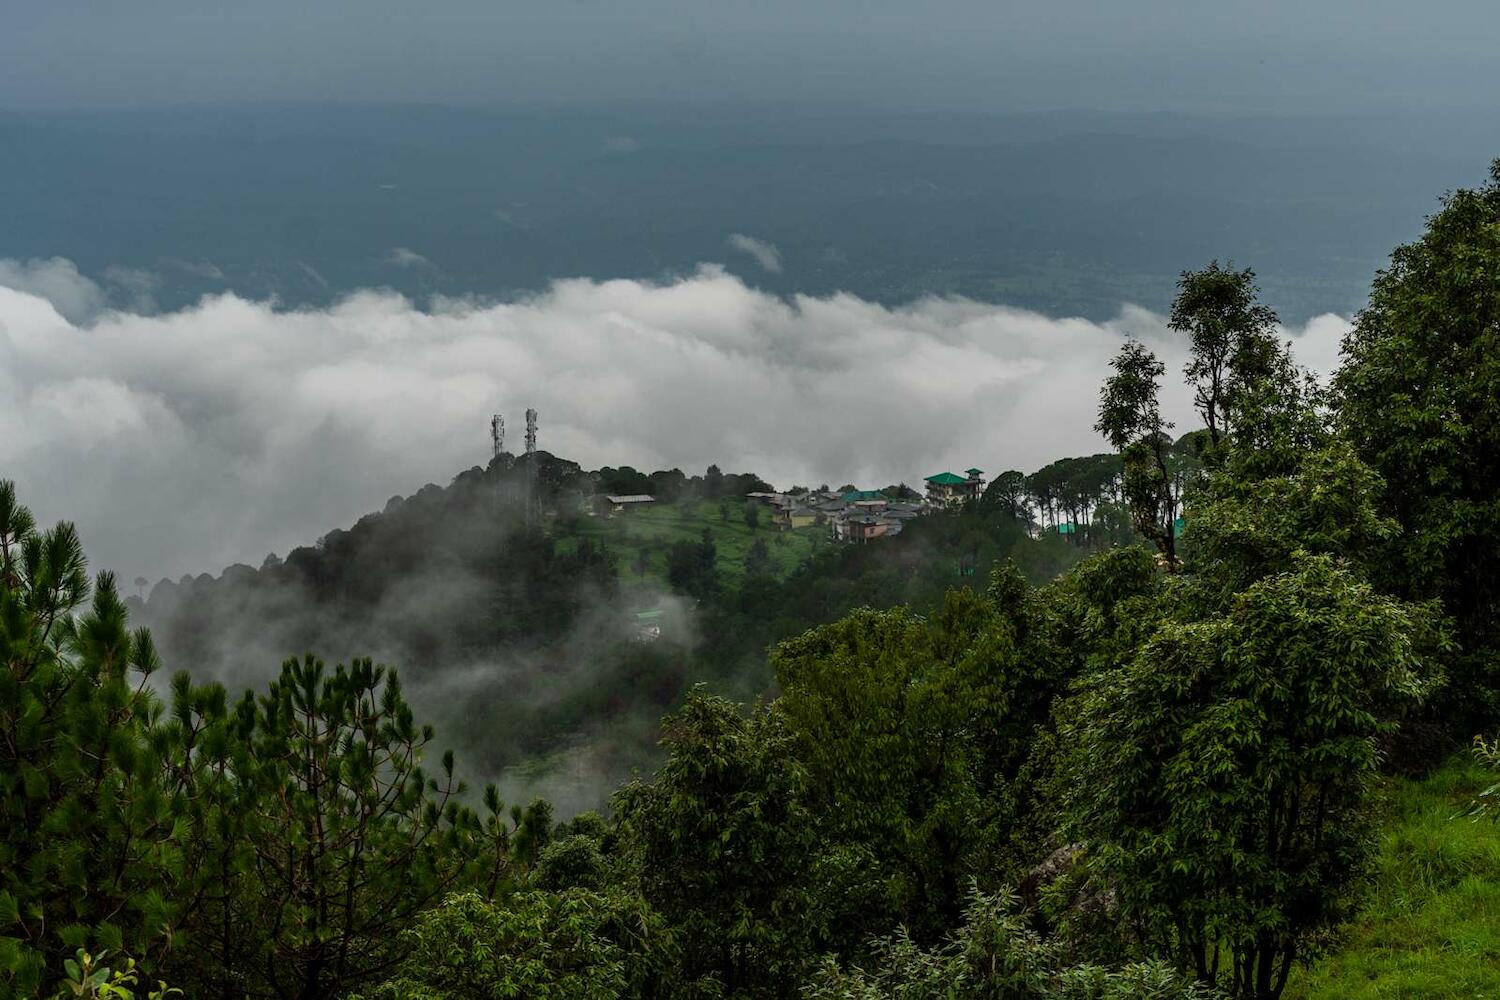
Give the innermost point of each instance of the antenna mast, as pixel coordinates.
(531, 500)
(497, 443)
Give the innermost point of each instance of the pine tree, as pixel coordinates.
(326, 837)
(86, 807)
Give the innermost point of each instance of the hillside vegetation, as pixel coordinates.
(521, 642)
(642, 538)
(1432, 926)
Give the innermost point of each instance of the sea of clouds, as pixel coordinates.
(181, 442)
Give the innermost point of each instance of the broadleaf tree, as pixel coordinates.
(1419, 396)
(1219, 776)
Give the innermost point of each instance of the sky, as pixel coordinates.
(1286, 55)
(181, 442)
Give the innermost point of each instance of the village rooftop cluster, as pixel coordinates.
(850, 515)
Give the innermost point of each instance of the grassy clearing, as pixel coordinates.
(1432, 929)
(657, 527)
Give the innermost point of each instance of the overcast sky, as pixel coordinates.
(970, 54)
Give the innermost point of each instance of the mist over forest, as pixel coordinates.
(520, 642)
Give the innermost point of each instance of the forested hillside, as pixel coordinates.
(520, 641)
(1151, 756)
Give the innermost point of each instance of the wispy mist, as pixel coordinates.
(763, 253)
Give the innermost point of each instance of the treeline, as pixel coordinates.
(1148, 778)
(671, 485)
(1084, 498)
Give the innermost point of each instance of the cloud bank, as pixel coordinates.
(185, 441)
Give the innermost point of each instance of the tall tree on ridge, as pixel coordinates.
(1130, 419)
(1227, 329)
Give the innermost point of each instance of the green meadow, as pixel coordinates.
(1431, 929)
(640, 538)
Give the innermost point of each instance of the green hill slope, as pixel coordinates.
(640, 539)
(1432, 928)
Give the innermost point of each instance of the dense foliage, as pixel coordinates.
(994, 953)
(1419, 397)
(87, 785)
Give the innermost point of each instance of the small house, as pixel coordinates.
(621, 504)
(867, 527)
(796, 516)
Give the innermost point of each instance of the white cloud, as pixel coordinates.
(57, 280)
(765, 254)
(185, 441)
(405, 257)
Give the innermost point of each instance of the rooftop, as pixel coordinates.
(633, 498)
(946, 479)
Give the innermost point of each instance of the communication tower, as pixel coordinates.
(497, 434)
(497, 443)
(531, 498)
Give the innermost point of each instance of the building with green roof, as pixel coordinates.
(948, 489)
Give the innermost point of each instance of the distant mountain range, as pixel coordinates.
(1067, 213)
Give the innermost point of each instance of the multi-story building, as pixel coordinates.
(947, 489)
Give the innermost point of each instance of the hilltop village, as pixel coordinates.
(849, 515)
